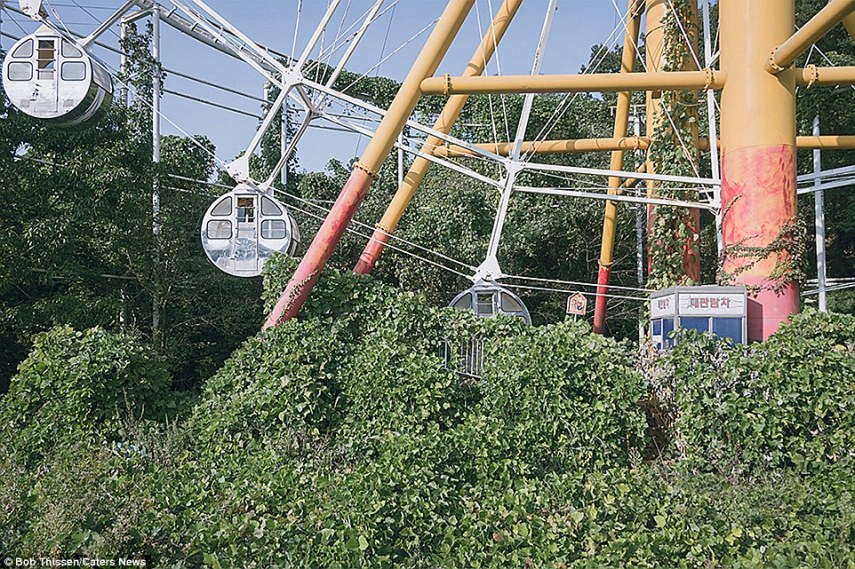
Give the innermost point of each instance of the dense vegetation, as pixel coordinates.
(80, 253)
(346, 438)
(352, 436)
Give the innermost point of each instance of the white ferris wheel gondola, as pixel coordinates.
(50, 78)
(487, 299)
(242, 229)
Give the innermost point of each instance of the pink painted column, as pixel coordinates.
(758, 163)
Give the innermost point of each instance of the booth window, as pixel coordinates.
(667, 328)
(728, 328)
(699, 324)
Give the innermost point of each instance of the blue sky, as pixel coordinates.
(578, 25)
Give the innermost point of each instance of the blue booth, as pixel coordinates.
(722, 310)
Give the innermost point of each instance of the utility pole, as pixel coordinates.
(123, 65)
(157, 333)
(283, 143)
(640, 222)
(819, 207)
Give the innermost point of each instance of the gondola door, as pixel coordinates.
(46, 96)
(245, 254)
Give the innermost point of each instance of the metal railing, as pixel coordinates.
(467, 359)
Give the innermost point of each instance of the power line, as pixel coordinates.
(211, 103)
(566, 291)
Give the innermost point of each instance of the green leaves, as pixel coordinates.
(75, 384)
(787, 402)
(342, 439)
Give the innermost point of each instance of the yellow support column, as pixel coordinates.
(447, 118)
(624, 99)
(365, 170)
(758, 160)
(654, 57)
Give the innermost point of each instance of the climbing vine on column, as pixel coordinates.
(673, 232)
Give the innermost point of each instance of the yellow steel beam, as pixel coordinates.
(828, 141)
(624, 98)
(849, 24)
(825, 76)
(832, 14)
(420, 166)
(570, 146)
(654, 57)
(655, 42)
(408, 94)
(628, 143)
(630, 182)
(591, 82)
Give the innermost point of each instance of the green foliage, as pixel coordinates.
(834, 108)
(787, 402)
(674, 233)
(344, 438)
(565, 399)
(77, 243)
(75, 384)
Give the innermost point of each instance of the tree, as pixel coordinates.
(78, 219)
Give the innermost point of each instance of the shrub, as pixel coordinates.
(789, 401)
(75, 383)
(565, 398)
(344, 439)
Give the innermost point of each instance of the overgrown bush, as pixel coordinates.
(786, 402)
(74, 384)
(347, 438)
(565, 398)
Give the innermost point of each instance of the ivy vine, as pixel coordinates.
(787, 248)
(673, 230)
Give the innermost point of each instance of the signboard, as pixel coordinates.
(577, 304)
(711, 304)
(663, 306)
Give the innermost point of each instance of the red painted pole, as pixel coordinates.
(372, 251)
(321, 249)
(601, 299)
(336, 222)
(624, 100)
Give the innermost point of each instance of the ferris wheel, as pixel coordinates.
(53, 75)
